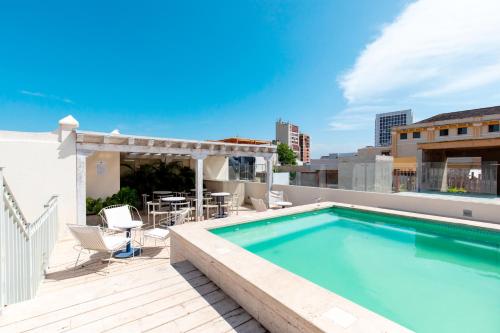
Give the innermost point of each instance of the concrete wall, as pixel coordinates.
(37, 166)
(445, 206)
(216, 168)
(103, 174)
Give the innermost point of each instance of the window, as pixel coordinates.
(403, 136)
(416, 135)
(493, 128)
(462, 131)
(443, 132)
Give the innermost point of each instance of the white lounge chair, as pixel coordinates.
(91, 238)
(259, 205)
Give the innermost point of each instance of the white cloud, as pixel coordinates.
(433, 49)
(32, 93)
(42, 95)
(356, 118)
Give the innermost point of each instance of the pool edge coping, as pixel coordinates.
(260, 286)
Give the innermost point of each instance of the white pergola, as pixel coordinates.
(88, 143)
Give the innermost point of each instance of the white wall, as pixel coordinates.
(103, 174)
(216, 168)
(446, 206)
(281, 178)
(37, 166)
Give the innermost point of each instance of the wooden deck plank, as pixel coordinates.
(143, 294)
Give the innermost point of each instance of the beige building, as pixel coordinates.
(288, 133)
(455, 140)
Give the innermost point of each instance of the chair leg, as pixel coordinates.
(78, 258)
(109, 262)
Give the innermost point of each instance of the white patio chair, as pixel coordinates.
(208, 205)
(275, 196)
(158, 234)
(91, 238)
(175, 218)
(232, 205)
(259, 205)
(115, 215)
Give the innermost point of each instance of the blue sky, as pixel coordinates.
(193, 69)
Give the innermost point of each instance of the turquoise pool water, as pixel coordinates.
(426, 276)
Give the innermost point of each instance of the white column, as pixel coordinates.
(269, 176)
(199, 157)
(81, 186)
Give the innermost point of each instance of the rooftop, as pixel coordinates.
(142, 294)
(492, 110)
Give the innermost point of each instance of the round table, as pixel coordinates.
(219, 198)
(172, 200)
(283, 204)
(129, 250)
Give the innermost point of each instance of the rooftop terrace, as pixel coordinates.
(145, 294)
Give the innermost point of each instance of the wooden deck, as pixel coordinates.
(144, 294)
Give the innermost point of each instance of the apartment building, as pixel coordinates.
(305, 148)
(288, 133)
(456, 149)
(385, 121)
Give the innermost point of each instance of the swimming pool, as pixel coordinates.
(429, 277)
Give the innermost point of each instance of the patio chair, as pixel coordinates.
(275, 196)
(114, 215)
(208, 205)
(259, 205)
(175, 218)
(157, 234)
(91, 238)
(232, 204)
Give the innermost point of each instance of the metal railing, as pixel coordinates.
(25, 247)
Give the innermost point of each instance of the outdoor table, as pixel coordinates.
(160, 193)
(219, 198)
(283, 204)
(171, 200)
(129, 250)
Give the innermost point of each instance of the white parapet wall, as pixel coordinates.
(448, 206)
(38, 166)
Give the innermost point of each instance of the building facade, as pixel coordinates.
(385, 121)
(305, 148)
(456, 151)
(289, 134)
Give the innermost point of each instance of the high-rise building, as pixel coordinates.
(385, 121)
(289, 134)
(305, 147)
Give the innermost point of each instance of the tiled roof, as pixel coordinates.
(462, 114)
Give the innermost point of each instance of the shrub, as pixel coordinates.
(126, 196)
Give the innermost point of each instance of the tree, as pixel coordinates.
(286, 156)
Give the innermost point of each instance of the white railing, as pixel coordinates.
(25, 247)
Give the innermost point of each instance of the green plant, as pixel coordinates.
(454, 189)
(163, 176)
(286, 156)
(94, 205)
(126, 196)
